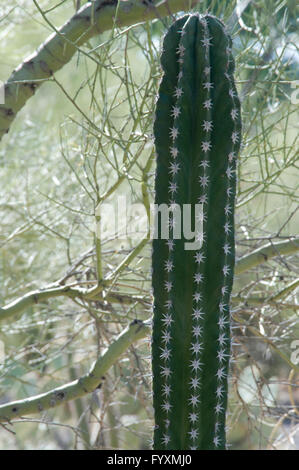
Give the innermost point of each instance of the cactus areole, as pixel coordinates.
(197, 133)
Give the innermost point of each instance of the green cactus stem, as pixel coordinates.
(197, 133)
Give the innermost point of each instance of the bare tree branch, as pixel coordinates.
(263, 254)
(259, 256)
(38, 296)
(92, 19)
(82, 386)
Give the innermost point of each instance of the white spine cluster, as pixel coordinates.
(224, 313)
(198, 310)
(173, 170)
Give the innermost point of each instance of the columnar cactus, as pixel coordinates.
(197, 136)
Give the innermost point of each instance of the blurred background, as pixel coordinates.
(86, 138)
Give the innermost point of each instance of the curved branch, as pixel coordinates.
(263, 301)
(93, 18)
(80, 387)
(263, 254)
(247, 262)
(35, 297)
